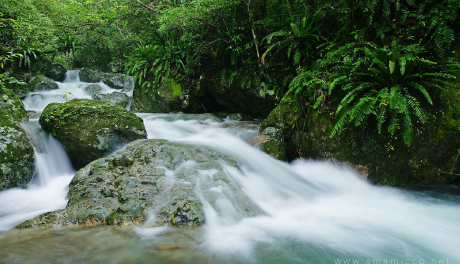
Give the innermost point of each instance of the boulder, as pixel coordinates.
(115, 81)
(90, 75)
(10, 102)
(171, 96)
(41, 83)
(56, 71)
(168, 180)
(116, 98)
(91, 129)
(16, 153)
(93, 89)
(271, 141)
(128, 84)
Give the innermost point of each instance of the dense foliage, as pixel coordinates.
(309, 46)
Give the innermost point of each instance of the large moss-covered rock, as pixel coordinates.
(10, 102)
(42, 83)
(116, 98)
(167, 180)
(90, 75)
(431, 159)
(238, 96)
(170, 96)
(90, 129)
(116, 81)
(16, 153)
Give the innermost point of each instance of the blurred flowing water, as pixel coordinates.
(310, 212)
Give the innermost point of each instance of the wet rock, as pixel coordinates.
(116, 67)
(240, 117)
(171, 96)
(168, 180)
(271, 141)
(42, 83)
(55, 71)
(116, 98)
(128, 85)
(16, 153)
(90, 75)
(93, 89)
(12, 105)
(91, 129)
(115, 81)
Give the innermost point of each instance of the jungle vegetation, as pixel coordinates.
(375, 62)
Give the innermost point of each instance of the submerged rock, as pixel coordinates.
(42, 83)
(90, 75)
(16, 153)
(93, 89)
(91, 129)
(116, 98)
(157, 177)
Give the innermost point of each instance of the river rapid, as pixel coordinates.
(312, 211)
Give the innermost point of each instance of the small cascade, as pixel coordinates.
(72, 76)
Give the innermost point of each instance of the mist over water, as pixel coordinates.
(308, 211)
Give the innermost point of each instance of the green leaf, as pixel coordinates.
(391, 65)
(402, 65)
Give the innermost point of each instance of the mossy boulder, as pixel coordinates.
(91, 129)
(42, 83)
(90, 75)
(10, 102)
(431, 159)
(16, 153)
(93, 89)
(56, 71)
(115, 81)
(116, 98)
(167, 180)
(168, 97)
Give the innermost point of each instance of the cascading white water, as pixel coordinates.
(47, 190)
(317, 204)
(311, 212)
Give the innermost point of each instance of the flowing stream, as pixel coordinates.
(313, 212)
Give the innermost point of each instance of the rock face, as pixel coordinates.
(116, 98)
(55, 71)
(41, 83)
(18, 86)
(90, 75)
(116, 81)
(166, 179)
(93, 89)
(91, 129)
(432, 158)
(235, 97)
(16, 152)
(171, 96)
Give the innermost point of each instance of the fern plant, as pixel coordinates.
(391, 84)
(297, 42)
(150, 64)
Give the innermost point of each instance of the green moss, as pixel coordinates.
(170, 89)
